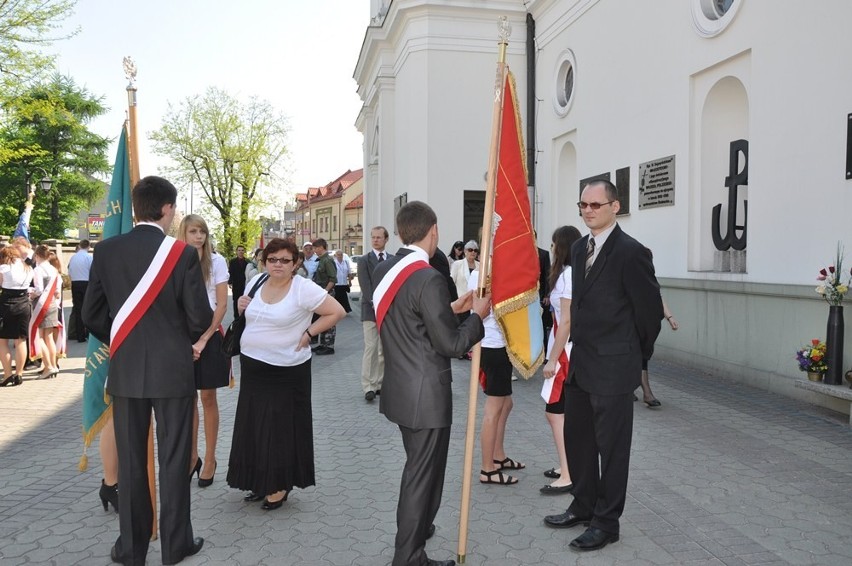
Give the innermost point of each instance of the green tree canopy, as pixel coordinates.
(231, 149)
(46, 132)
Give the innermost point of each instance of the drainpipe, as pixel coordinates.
(531, 106)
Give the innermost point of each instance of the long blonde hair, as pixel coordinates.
(206, 251)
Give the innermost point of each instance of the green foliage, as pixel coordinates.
(46, 133)
(27, 26)
(231, 149)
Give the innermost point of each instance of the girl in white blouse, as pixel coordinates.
(15, 311)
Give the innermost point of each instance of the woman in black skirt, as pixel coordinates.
(213, 368)
(15, 311)
(273, 446)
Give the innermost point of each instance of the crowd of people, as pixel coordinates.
(419, 309)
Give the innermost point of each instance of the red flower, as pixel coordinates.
(823, 272)
(831, 268)
(815, 342)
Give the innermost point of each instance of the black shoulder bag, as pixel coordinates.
(231, 341)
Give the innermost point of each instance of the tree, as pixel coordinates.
(25, 27)
(46, 129)
(231, 149)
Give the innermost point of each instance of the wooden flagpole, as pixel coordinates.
(484, 273)
(133, 157)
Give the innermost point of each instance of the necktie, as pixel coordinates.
(381, 256)
(590, 254)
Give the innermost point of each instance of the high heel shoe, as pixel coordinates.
(109, 494)
(204, 482)
(272, 505)
(196, 471)
(10, 381)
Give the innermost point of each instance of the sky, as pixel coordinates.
(298, 55)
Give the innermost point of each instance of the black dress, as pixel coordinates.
(273, 444)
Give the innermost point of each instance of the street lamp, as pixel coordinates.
(45, 183)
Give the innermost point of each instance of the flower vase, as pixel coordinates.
(834, 346)
(814, 376)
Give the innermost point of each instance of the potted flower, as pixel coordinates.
(811, 359)
(833, 285)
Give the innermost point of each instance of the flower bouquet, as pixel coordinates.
(811, 358)
(831, 285)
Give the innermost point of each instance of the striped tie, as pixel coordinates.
(590, 254)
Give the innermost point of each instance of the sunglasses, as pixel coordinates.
(472, 250)
(281, 260)
(593, 205)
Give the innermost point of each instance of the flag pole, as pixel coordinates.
(505, 31)
(133, 157)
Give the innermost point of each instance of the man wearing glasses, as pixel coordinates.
(615, 318)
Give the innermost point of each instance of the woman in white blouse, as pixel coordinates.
(44, 323)
(273, 446)
(213, 368)
(15, 310)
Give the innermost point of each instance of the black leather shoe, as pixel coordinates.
(552, 474)
(370, 395)
(431, 532)
(565, 520)
(430, 562)
(556, 489)
(592, 539)
(113, 555)
(197, 543)
(252, 497)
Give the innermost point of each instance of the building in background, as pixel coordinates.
(726, 125)
(333, 212)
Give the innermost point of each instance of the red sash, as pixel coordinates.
(148, 288)
(39, 313)
(389, 286)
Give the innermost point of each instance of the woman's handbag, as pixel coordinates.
(231, 341)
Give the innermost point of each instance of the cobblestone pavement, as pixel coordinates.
(721, 474)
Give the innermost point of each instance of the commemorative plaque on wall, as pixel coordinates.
(657, 183)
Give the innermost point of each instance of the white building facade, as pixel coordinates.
(684, 104)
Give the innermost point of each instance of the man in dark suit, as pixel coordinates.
(615, 317)
(373, 363)
(151, 367)
(237, 275)
(420, 334)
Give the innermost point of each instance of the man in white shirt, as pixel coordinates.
(373, 364)
(311, 259)
(78, 270)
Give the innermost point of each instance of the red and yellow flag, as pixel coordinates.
(514, 256)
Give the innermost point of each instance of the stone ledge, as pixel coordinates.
(837, 391)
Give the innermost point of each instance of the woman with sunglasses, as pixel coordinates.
(213, 369)
(273, 447)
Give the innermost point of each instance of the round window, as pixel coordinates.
(564, 83)
(711, 17)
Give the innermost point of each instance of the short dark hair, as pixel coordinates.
(84, 244)
(414, 220)
(611, 190)
(278, 244)
(320, 243)
(150, 195)
(383, 229)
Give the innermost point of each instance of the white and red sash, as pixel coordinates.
(143, 295)
(45, 301)
(551, 389)
(385, 292)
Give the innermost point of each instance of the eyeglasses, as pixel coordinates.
(471, 250)
(593, 205)
(281, 260)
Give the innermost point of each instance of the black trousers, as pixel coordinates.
(598, 435)
(132, 418)
(237, 291)
(78, 294)
(419, 492)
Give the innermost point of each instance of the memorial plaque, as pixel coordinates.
(657, 183)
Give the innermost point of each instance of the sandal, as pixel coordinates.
(509, 464)
(501, 479)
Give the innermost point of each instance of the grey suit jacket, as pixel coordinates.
(155, 359)
(366, 266)
(420, 334)
(615, 315)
